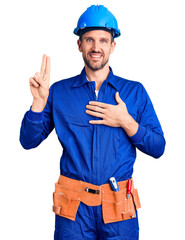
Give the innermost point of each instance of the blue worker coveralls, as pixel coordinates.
(94, 153)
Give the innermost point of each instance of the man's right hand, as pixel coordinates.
(39, 85)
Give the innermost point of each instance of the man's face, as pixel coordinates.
(96, 48)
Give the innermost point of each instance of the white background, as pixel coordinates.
(151, 50)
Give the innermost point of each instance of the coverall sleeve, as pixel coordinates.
(149, 137)
(36, 126)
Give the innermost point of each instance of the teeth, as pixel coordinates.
(95, 56)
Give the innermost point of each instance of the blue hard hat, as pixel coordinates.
(97, 16)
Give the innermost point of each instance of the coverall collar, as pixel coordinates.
(83, 79)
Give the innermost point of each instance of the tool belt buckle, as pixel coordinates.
(92, 190)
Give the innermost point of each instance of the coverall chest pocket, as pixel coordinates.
(66, 202)
(78, 120)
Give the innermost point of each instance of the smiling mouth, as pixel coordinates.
(95, 56)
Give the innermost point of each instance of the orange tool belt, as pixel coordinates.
(115, 205)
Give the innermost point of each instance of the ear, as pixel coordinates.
(113, 45)
(79, 43)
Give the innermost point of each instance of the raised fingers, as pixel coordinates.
(48, 65)
(43, 64)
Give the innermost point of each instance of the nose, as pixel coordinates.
(96, 46)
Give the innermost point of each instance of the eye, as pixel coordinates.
(89, 40)
(104, 40)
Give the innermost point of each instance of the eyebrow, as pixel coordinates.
(87, 37)
(102, 38)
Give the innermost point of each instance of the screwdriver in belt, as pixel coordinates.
(129, 187)
(114, 185)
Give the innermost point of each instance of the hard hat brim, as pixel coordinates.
(80, 32)
(88, 29)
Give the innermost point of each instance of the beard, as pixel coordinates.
(95, 68)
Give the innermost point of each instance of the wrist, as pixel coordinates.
(129, 125)
(38, 105)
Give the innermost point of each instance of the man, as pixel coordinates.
(100, 120)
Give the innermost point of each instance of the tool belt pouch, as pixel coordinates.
(117, 207)
(66, 201)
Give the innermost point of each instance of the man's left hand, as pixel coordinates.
(113, 115)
